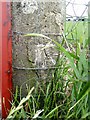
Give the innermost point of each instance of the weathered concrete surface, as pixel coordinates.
(31, 16)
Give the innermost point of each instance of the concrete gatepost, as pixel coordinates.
(30, 60)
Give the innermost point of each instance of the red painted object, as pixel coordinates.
(6, 58)
(0, 54)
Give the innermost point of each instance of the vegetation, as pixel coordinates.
(76, 29)
(65, 95)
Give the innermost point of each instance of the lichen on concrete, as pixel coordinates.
(29, 6)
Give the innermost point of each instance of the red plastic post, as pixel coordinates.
(6, 58)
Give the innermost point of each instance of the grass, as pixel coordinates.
(65, 95)
(76, 30)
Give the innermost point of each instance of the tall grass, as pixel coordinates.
(63, 96)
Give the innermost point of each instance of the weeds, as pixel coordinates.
(63, 96)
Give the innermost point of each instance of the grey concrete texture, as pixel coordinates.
(32, 16)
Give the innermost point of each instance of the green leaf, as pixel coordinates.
(74, 56)
(51, 112)
(85, 90)
(23, 113)
(83, 60)
(62, 49)
(83, 93)
(86, 115)
(20, 106)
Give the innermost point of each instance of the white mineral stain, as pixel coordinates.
(29, 6)
(58, 19)
(41, 58)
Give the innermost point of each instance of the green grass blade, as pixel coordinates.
(51, 112)
(62, 49)
(86, 115)
(84, 92)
